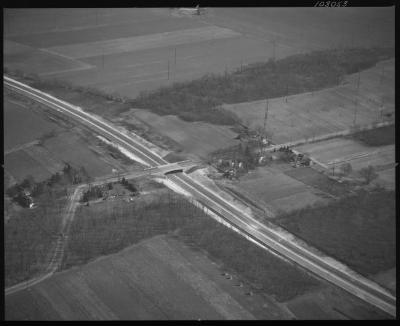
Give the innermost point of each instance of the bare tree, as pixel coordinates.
(368, 173)
(346, 168)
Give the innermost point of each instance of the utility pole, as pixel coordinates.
(358, 81)
(355, 112)
(382, 75)
(266, 117)
(287, 92)
(168, 71)
(273, 51)
(174, 64)
(175, 57)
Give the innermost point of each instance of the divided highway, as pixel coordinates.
(267, 237)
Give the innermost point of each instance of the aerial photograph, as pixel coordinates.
(199, 163)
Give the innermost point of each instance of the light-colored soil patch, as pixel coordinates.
(143, 42)
(308, 115)
(340, 150)
(157, 279)
(198, 138)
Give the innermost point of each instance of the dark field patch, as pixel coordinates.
(316, 179)
(358, 230)
(376, 137)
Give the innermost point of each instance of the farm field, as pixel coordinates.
(387, 279)
(308, 115)
(69, 147)
(39, 144)
(278, 190)
(197, 138)
(185, 285)
(347, 150)
(318, 180)
(334, 152)
(357, 230)
(20, 164)
(22, 125)
(229, 38)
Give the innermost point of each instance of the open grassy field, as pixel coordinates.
(308, 115)
(197, 138)
(279, 190)
(69, 147)
(22, 124)
(20, 164)
(132, 68)
(157, 279)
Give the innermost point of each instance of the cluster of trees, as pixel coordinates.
(129, 185)
(368, 173)
(94, 192)
(69, 175)
(201, 99)
(358, 230)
